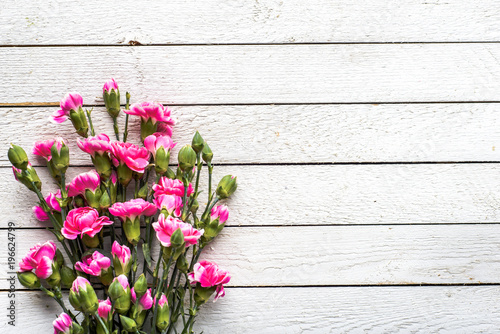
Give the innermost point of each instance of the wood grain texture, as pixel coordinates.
(339, 255)
(317, 310)
(259, 21)
(328, 194)
(256, 74)
(299, 133)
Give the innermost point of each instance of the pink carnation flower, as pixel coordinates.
(104, 308)
(132, 209)
(136, 158)
(40, 258)
(164, 129)
(155, 141)
(82, 221)
(145, 302)
(165, 227)
(53, 204)
(162, 301)
(166, 186)
(93, 264)
(71, 101)
(80, 283)
(220, 212)
(63, 324)
(42, 148)
(109, 85)
(209, 274)
(170, 203)
(40, 214)
(122, 253)
(154, 111)
(95, 145)
(84, 181)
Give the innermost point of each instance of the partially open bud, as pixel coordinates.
(207, 154)
(60, 156)
(18, 157)
(28, 280)
(128, 324)
(198, 143)
(79, 120)
(187, 158)
(83, 297)
(111, 95)
(227, 186)
(163, 317)
(121, 258)
(119, 292)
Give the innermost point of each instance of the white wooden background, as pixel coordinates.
(365, 135)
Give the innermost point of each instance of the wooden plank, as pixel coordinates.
(262, 21)
(339, 255)
(317, 310)
(256, 74)
(329, 194)
(299, 133)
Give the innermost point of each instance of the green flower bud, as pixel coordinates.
(143, 192)
(170, 174)
(162, 160)
(77, 329)
(195, 206)
(148, 128)
(128, 324)
(79, 120)
(182, 264)
(120, 295)
(207, 154)
(187, 158)
(28, 280)
(102, 165)
(112, 101)
(177, 239)
(28, 176)
(141, 286)
(83, 297)
(60, 157)
(227, 186)
(105, 201)
(18, 157)
(198, 143)
(67, 277)
(54, 279)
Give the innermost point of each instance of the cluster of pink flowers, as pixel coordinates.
(94, 210)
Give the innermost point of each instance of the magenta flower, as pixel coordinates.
(166, 186)
(40, 214)
(155, 141)
(136, 158)
(104, 308)
(99, 144)
(171, 203)
(83, 221)
(52, 202)
(109, 85)
(42, 148)
(93, 264)
(121, 258)
(208, 274)
(165, 227)
(145, 302)
(132, 209)
(84, 181)
(162, 301)
(164, 129)
(154, 111)
(71, 101)
(220, 212)
(63, 324)
(40, 257)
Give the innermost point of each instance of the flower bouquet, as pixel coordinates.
(107, 230)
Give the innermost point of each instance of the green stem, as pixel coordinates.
(127, 103)
(59, 301)
(115, 128)
(92, 133)
(134, 267)
(98, 318)
(210, 170)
